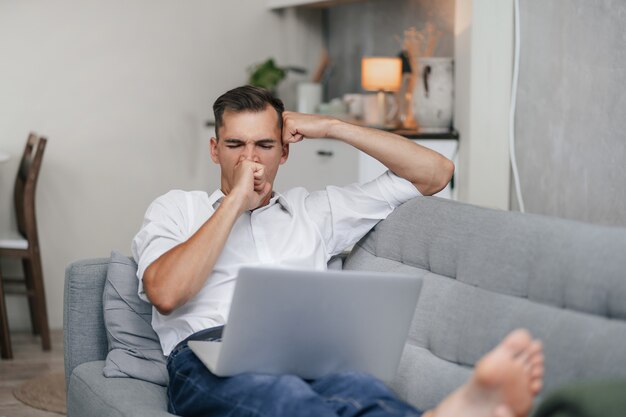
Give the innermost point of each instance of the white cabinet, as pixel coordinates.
(316, 163)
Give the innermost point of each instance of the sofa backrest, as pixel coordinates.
(487, 272)
(84, 334)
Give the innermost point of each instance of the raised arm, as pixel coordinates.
(179, 274)
(426, 169)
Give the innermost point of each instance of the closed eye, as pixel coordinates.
(263, 143)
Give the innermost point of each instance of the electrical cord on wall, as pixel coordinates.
(518, 190)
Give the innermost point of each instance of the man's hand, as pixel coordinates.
(179, 274)
(250, 183)
(297, 126)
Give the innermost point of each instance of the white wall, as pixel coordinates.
(483, 71)
(122, 90)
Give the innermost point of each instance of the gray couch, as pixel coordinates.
(485, 273)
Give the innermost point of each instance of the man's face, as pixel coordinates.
(254, 136)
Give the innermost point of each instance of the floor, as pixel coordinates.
(28, 362)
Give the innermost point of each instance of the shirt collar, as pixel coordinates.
(216, 198)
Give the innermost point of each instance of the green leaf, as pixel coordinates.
(266, 75)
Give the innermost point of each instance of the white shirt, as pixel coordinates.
(296, 229)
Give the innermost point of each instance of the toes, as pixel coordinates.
(518, 340)
(536, 373)
(523, 357)
(536, 381)
(502, 411)
(532, 355)
(535, 350)
(536, 365)
(537, 358)
(536, 346)
(535, 386)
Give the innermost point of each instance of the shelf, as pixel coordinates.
(282, 4)
(412, 134)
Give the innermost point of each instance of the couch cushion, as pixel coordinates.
(456, 323)
(423, 379)
(563, 263)
(90, 394)
(134, 349)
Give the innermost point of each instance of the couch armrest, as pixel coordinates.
(84, 332)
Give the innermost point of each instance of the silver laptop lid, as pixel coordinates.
(311, 323)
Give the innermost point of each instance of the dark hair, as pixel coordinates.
(246, 98)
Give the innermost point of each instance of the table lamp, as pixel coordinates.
(381, 74)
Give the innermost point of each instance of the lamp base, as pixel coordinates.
(380, 111)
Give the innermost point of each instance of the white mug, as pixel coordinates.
(309, 97)
(354, 102)
(372, 110)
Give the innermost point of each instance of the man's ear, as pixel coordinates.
(214, 152)
(285, 154)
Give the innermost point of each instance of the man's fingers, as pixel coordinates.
(298, 126)
(292, 137)
(246, 164)
(259, 170)
(259, 183)
(259, 177)
(291, 134)
(290, 130)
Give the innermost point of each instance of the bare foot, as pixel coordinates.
(503, 384)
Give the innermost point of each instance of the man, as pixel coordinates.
(191, 246)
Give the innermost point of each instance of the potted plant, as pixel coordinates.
(268, 75)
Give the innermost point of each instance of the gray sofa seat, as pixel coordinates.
(95, 395)
(89, 392)
(485, 273)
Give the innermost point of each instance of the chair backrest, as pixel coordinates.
(25, 185)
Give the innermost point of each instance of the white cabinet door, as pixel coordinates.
(316, 163)
(370, 168)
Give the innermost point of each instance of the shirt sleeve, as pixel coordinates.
(345, 214)
(163, 228)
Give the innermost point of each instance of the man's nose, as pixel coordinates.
(249, 153)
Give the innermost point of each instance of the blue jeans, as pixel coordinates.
(194, 391)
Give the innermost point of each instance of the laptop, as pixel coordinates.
(313, 323)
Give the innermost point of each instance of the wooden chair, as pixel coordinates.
(25, 245)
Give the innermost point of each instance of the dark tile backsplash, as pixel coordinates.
(376, 28)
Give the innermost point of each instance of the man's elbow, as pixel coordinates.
(164, 307)
(447, 172)
(159, 298)
(442, 175)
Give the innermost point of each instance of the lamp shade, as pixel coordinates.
(381, 73)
